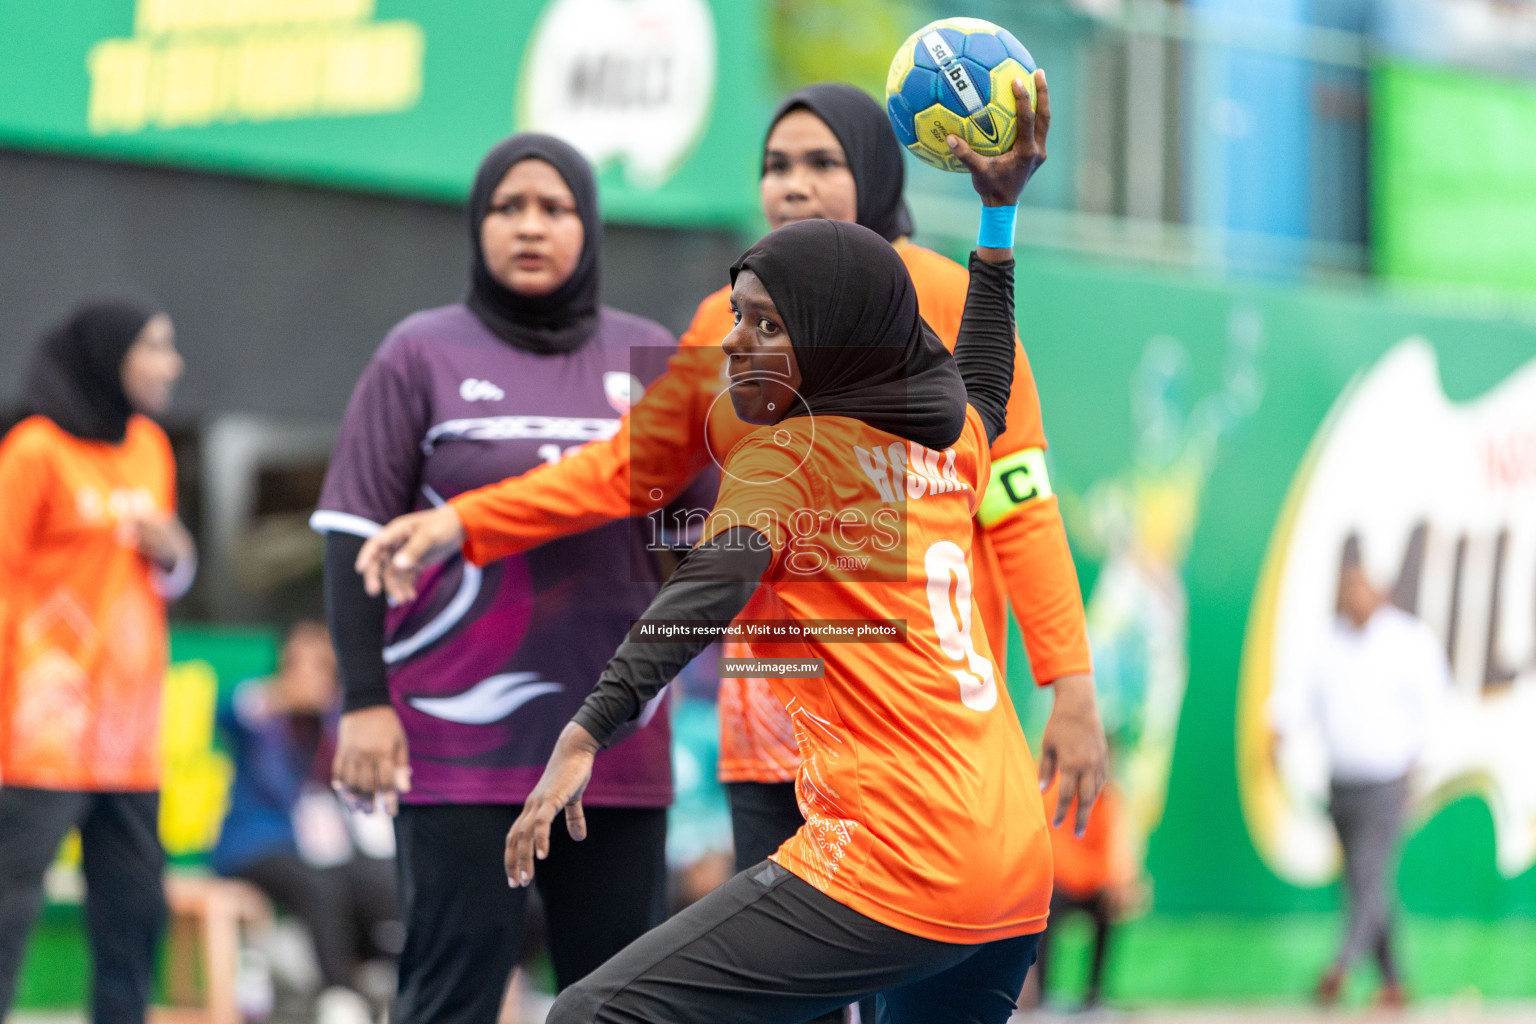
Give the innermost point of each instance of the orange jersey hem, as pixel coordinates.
(95, 784)
(922, 927)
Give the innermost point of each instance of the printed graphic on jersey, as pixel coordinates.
(473, 390)
(622, 389)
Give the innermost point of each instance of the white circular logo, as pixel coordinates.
(628, 80)
(622, 389)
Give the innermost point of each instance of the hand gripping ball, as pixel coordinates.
(954, 77)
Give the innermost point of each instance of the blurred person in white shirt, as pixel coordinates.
(1371, 692)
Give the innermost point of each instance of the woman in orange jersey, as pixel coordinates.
(922, 871)
(830, 154)
(90, 551)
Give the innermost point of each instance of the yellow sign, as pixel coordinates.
(192, 63)
(195, 778)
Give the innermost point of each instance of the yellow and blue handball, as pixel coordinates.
(954, 77)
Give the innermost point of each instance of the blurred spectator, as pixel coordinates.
(90, 551)
(1372, 693)
(287, 832)
(1095, 874)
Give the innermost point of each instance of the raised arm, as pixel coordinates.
(1024, 524)
(985, 344)
(1018, 511)
(984, 347)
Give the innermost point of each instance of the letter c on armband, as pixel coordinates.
(1017, 481)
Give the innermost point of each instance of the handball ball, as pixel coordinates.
(955, 77)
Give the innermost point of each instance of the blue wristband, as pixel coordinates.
(997, 227)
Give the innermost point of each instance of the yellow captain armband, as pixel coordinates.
(1018, 480)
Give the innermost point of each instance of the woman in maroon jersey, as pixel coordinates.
(453, 700)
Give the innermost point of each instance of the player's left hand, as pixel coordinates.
(1000, 179)
(560, 788)
(392, 560)
(1074, 746)
(160, 538)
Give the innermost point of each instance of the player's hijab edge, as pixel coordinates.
(850, 310)
(870, 145)
(563, 320)
(76, 375)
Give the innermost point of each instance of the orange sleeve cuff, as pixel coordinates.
(1031, 547)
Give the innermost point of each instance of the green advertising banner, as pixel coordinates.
(1453, 168)
(664, 96)
(1214, 447)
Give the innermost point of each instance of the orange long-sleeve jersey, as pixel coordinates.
(82, 616)
(685, 420)
(916, 777)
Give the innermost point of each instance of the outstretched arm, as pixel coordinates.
(658, 450)
(985, 344)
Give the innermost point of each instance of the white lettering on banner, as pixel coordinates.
(627, 80)
(553, 453)
(1440, 498)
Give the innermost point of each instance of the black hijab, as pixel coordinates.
(563, 320)
(76, 378)
(850, 308)
(874, 155)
